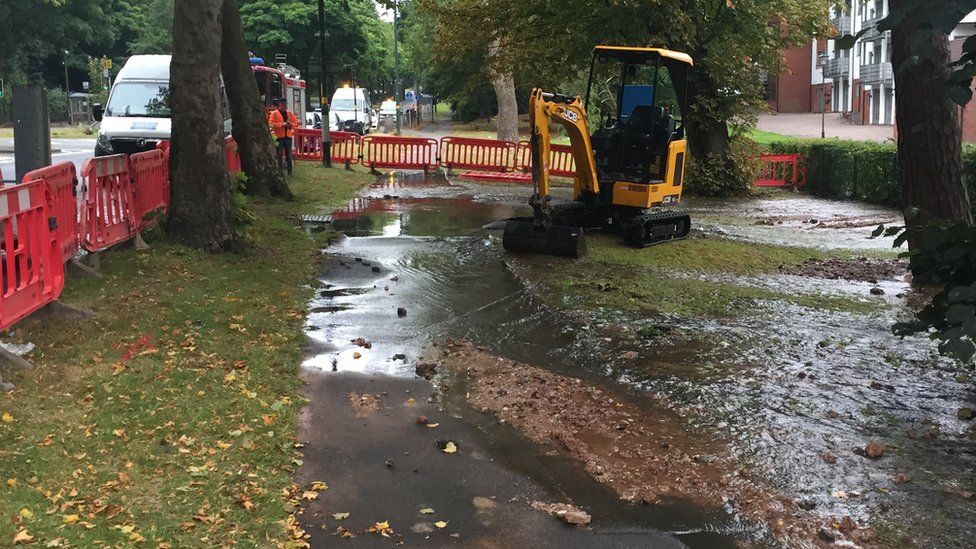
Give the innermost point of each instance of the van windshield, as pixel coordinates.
(346, 104)
(139, 99)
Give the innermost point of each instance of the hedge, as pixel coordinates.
(859, 170)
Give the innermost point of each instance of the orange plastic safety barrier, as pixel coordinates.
(107, 217)
(307, 144)
(62, 188)
(32, 270)
(409, 153)
(782, 170)
(150, 186)
(477, 154)
(561, 163)
(343, 146)
(233, 158)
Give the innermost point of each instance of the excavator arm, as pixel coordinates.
(568, 112)
(541, 235)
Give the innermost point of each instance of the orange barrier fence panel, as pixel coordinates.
(150, 186)
(62, 188)
(32, 270)
(410, 153)
(781, 170)
(477, 154)
(344, 147)
(107, 217)
(561, 162)
(233, 157)
(307, 144)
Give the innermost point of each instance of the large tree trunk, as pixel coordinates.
(200, 211)
(504, 84)
(709, 145)
(929, 133)
(250, 120)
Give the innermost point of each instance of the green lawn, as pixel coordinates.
(73, 132)
(171, 416)
(696, 278)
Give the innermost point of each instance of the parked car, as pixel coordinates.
(313, 119)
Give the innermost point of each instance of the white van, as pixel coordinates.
(351, 111)
(137, 115)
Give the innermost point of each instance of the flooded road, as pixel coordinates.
(796, 393)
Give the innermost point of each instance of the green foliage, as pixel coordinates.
(57, 105)
(241, 214)
(858, 170)
(153, 26)
(718, 175)
(943, 254)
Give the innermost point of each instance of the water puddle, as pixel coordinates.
(787, 387)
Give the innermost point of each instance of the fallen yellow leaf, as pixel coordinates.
(440, 524)
(340, 516)
(310, 495)
(12, 482)
(427, 511)
(318, 486)
(23, 537)
(71, 519)
(7, 418)
(26, 514)
(450, 448)
(433, 425)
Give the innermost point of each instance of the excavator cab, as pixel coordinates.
(635, 94)
(627, 140)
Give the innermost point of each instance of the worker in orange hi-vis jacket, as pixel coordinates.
(283, 123)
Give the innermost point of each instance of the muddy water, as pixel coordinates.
(785, 387)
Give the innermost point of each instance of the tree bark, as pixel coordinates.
(250, 119)
(929, 132)
(504, 84)
(200, 210)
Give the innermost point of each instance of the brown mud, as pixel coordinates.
(861, 269)
(638, 449)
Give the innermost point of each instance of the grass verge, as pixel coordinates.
(171, 416)
(673, 278)
(69, 132)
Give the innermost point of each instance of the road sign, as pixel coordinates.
(85, 86)
(106, 63)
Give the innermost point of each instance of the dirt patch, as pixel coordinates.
(365, 405)
(640, 451)
(832, 222)
(861, 269)
(570, 514)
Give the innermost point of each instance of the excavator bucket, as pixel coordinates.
(528, 237)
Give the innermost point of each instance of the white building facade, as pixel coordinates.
(862, 79)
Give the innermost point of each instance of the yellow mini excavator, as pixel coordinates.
(629, 164)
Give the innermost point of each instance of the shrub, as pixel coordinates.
(859, 170)
(718, 176)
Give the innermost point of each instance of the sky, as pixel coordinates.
(385, 14)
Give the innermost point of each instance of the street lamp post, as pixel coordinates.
(67, 90)
(323, 99)
(822, 57)
(396, 69)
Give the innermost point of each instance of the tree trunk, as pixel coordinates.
(504, 84)
(200, 211)
(250, 119)
(929, 132)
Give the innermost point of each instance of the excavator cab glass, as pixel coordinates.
(633, 94)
